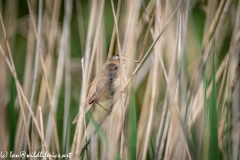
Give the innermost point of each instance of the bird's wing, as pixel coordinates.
(103, 81)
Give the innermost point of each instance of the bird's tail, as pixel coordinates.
(85, 110)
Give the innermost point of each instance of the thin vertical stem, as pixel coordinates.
(122, 78)
(35, 73)
(60, 65)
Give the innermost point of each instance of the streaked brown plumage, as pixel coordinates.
(105, 83)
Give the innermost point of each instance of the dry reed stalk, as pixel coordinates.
(207, 47)
(56, 139)
(36, 60)
(222, 10)
(149, 9)
(143, 72)
(144, 58)
(113, 38)
(114, 132)
(236, 103)
(165, 117)
(179, 111)
(221, 128)
(84, 120)
(10, 10)
(143, 117)
(153, 44)
(143, 48)
(172, 137)
(183, 21)
(212, 20)
(229, 103)
(223, 66)
(26, 86)
(10, 62)
(67, 96)
(4, 98)
(172, 89)
(48, 61)
(98, 112)
(41, 125)
(101, 49)
(96, 38)
(145, 18)
(234, 94)
(12, 69)
(155, 64)
(223, 83)
(164, 135)
(146, 36)
(120, 127)
(75, 150)
(95, 140)
(32, 16)
(103, 119)
(164, 114)
(123, 77)
(35, 74)
(24, 123)
(53, 35)
(130, 47)
(19, 88)
(169, 144)
(60, 66)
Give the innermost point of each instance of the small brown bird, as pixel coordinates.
(104, 84)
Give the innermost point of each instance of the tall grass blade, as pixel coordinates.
(205, 123)
(132, 127)
(213, 123)
(11, 114)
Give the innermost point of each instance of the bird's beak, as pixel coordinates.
(127, 59)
